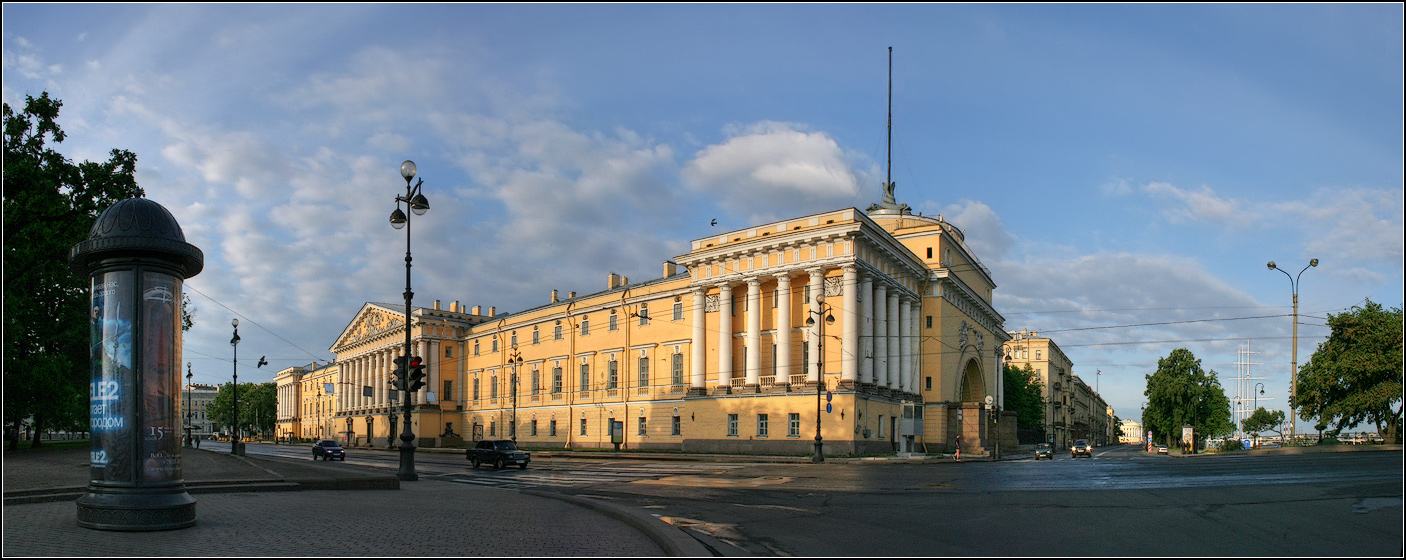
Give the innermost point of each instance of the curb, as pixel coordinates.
(674, 541)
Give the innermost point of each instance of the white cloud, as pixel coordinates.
(1354, 225)
(1202, 205)
(982, 228)
(771, 165)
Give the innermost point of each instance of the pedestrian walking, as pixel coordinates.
(959, 447)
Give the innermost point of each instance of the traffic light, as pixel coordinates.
(417, 373)
(398, 375)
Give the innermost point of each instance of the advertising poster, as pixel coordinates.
(110, 391)
(161, 324)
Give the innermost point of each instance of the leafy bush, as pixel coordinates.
(1329, 441)
(1231, 444)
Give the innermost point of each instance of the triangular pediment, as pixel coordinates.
(371, 321)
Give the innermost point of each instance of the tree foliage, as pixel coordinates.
(1264, 421)
(1024, 394)
(1356, 375)
(50, 203)
(1181, 393)
(258, 407)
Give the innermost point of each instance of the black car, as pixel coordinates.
(1081, 447)
(328, 450)
(499, 453)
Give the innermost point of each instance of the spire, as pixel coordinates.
(889, 205)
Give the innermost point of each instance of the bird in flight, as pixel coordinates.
(262, 361)
(715, 222)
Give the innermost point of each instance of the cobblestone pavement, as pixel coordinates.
(424, 518)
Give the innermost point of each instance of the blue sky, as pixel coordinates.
(1111, 164)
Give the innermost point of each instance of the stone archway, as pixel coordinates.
(965, 416)
(973, 385)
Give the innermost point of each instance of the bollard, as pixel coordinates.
(137, 259)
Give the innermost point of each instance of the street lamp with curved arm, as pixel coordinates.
(825, 311)
(1294, 364)
(418, 204)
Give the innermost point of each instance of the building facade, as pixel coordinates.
(1072, 409)
(307, 402)
(1131, 432)
(199, 395)
(877, 326)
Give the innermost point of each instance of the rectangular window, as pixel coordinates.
(930, 321)
(583, 426)
(585, 378)
(881, 426)
(556, 332)
(641, 432)
(475, 347)
(644, 314)
(534, 427)
(732, 425)
(493, 427)
(556, 380)
(805, 357)
(448, 351)
(614, 322)
(678, 369)
(678, 311)
(775, 297)
(806, 297)
(552, 428)
(585, 326)
(476, 394)
(929, 383)
(493, 388)
(677, 427)
(793, 425)
(1037, 354)
(761, 425)
(612, 375)
(644, 371)
(773, 361)
(495, 344)
(536, 382)
(733, 303)
(514, 341)
(448, 393)
(930, 252)
(536, 337)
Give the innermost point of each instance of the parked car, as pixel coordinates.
(1044, 451)
(328, 450)
(497, 452)
(1161, 450)
(1081, 447)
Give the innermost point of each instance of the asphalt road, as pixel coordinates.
(1121, 502)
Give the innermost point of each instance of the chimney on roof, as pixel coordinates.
(492, 311)
(436, 305)
(612, 281)
(477, 309)
(554, 296)
(670, 269)
(454, 307)
(570, 295)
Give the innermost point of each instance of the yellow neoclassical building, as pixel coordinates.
(724, 352)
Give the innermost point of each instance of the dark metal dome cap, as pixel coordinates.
(136, 227)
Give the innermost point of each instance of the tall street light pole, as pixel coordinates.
(189, 413)
(234, 439)
(1294, 373)
(514, 358)
(819, 456)
(418, 205)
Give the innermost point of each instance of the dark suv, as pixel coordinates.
(328, 450)
(497, 452)
(1081, 447)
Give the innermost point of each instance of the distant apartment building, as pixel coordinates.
(1072, 409)
(199, 396)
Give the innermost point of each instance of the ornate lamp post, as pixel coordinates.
(819, 456)
(1294, 373)
(514, 359)
(418, 205)
(189, 413)
(234, 438)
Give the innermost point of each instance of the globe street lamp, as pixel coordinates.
(514, 359)
(234, 439)
(189, 413)
(418, 205)
(819, 456)
(1294, 372)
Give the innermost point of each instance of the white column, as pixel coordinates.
(893, 335)
(754, 331)
(866, 328)
(849, 337)
(724, 336)
(783, 328)
(362, 365)
(817, 292)
(905, 345)
(881, 339)
(697, 378)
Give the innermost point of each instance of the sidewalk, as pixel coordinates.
(249, 506)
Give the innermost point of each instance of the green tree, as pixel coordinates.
(1025, 395)
(258, 407)
(49, 203)
(1356, 375)
(1264, 421)
(1181, 393)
